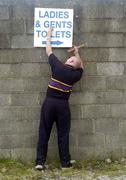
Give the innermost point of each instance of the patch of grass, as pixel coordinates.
(18, 170)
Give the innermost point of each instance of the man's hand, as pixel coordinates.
(76, 53)
(49, 34)
(75, 50)
(48, 42)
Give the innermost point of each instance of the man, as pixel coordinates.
(55, 107)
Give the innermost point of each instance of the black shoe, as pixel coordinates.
(40, 167)
(68, 166)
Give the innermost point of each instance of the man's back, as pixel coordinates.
(63, 78)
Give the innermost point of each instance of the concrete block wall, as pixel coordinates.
(98, 101)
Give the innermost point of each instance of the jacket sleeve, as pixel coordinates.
(54, 61)
(78, 74)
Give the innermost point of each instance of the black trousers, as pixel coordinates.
(54, 110)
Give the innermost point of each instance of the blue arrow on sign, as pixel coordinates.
(54, 42)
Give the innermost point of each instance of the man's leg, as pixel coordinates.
(46, 123)
(63, 129)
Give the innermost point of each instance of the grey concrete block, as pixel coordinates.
(29, 26)
(18, 141)
(30, 113)
(15, 70)
(27, 99)
(14, 116)
(124, 97)
(108, 126)
(82, 98)
(102, 153)
(118, 110)
(115, 25)
(85, 152)
(4, 13)
(4, 40)
(114, 152)
(96, 111)
(5, 128)
(75, 111)
(17, 26)
(73, 139)
(90, 68)
(93, 83)
(5, 99)
(30, 70)
(122, 150)
(18, 127)
(122, 126)
(5, 70)
(45, 69)
(74, 127)
(52, 153)
(5, 26)
(113, 9)
(28, 3)
(117, 54)
(102, 9)
(124, 40)
(110, 69)
(22, 41)
(3, 2)
(22, 55)
(55, 4)
(98, 97)
(5, 153)
(18, 2)
(83, 126)
(10, 56)
(86, 126)
(116, 82)
(90, 26)
(103, 25)
(102, 40)
(91, 140)
(109, 97)
(95, 54)
(10, 70)
(23, 11)
(10, 113)
(53, 139)
(112, 141)
(25, 154)
(122, 139)
(35, 70)
(124, 68)
(35, 84)
(125, 10)
(11, 84)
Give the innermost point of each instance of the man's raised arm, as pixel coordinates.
(76, 53)
(48, 43)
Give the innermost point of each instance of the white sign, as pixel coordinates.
(61, 20)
